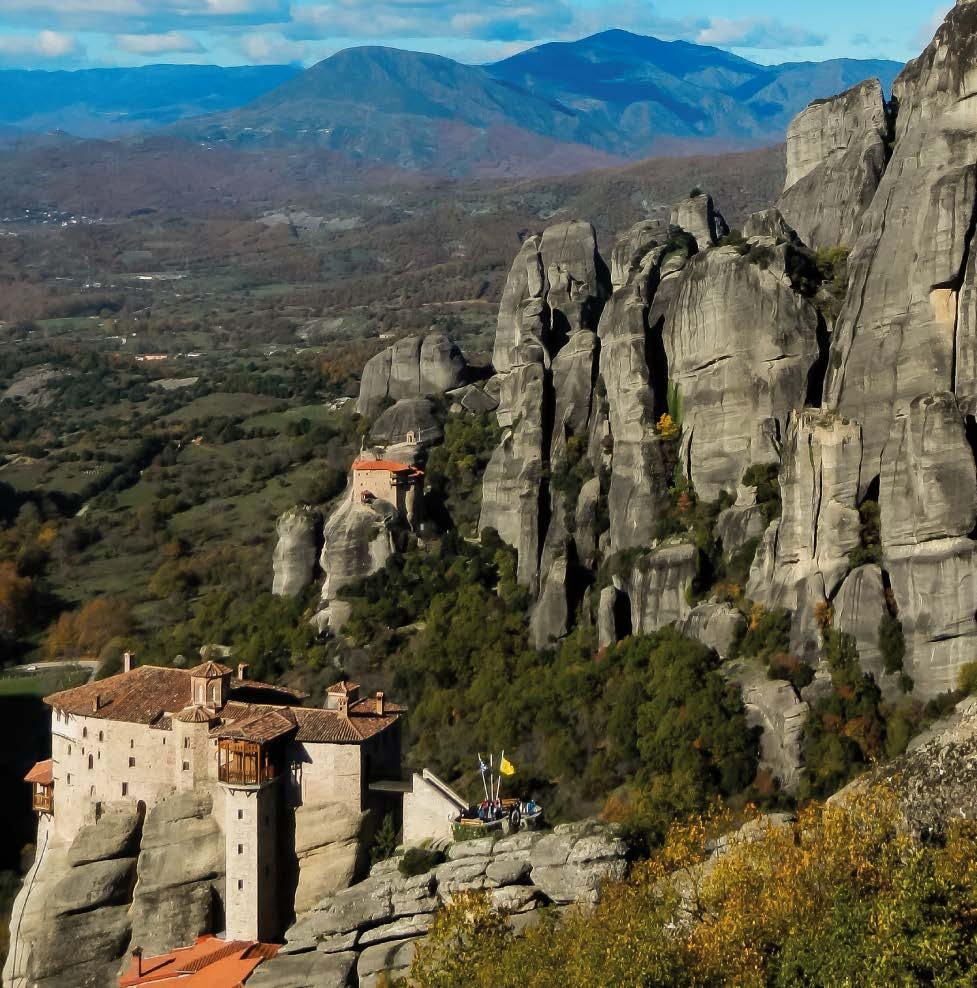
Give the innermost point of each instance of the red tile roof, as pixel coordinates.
(343, 686)
(42, 773)
(143, 696)
(210, 670)
(264, 725)
(209, 963)
(390, 466)
(319, 726)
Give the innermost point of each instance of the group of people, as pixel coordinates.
(490, 809)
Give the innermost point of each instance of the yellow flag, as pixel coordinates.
(506, 767)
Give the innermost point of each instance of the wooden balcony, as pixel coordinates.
(244, 763)
(43, 799)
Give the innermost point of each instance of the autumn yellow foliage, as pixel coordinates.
(843, 896)
(667, 427)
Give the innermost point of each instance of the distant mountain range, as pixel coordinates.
(557, 108)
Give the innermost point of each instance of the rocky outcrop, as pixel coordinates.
(836, 154)
(545, 355)
(358, 539)
(370, 930)
(411, 368)
(717, 626)
(907, 328)
(329, 846)
(410, 422)
(698, 215)
(297, 551)
(741, 523)
(740, 345)
(657, 587)
(858, 609)
(122, 880)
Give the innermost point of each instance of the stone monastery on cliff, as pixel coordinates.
(152, 731)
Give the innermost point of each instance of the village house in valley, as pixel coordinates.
(152, 731)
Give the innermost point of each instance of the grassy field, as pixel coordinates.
(43, 682)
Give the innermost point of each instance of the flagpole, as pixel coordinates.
(491, 774)
(481, 771)
(498, 791)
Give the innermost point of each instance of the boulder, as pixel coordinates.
(836, 154)
(385, 963)
(312, 970)
(330, 848)
(717, 626)
(296, 552)
(742, 522)
(572, 867)
(768, 223)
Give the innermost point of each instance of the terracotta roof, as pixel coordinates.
(344, 686)
(265, 725)
(254, 684)
(209, 963)
(319, 726)
(143, 696)
(210, 670)
(42, 773)
(196, 715)
(389, 466)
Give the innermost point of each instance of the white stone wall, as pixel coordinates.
(105, 761)
(327, 773)
(428, 813)
(250, 841)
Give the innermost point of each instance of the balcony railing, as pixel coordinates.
(43, 800)
(242, 763)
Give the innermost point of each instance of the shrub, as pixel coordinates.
(892, 643)
(967, 679)
(419, 861)
(666, 428)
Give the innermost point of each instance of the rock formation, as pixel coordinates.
(836, 153)
(698, 215)
(121, 881)
(297, 551)
(413, 367)
(360, 935)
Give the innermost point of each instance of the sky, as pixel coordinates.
(58, 34)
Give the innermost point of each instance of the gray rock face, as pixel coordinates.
(698, 215)
(330, 849)
(296, 552)
(312, 970)
(768, 223)
(774, 707)
(408, 422)
(740, 345)
(741, 523)
(928, 486)
(836, 154)
(715, 625)
(657, 585)
(858, 609)
(803, 557)
(181, 864)
(411, 368)
(379, 921)
(906, 329)
(122, 880)
(545, 355)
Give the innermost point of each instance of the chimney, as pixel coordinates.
(97, 703)
(379, 703)
(137, 959)
(342, 705)
(127, 658)
(242, 670)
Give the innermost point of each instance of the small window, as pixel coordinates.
(101, 735)
(240, 814)
(91, 763)
(125, 788)
(240, 884)
(84, 732)
(186, 742)
(164, 740)
(69, 749)
(132, 742)
(132, 763)
(186, 766)
(69, 778)
(240, 849)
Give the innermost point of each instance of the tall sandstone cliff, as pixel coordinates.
(731, 337)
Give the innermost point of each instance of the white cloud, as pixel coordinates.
(757, 32)
(924, 34)
(269, 48)
(45, 47)
(158, 44)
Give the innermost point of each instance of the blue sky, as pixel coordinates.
(83, 33)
